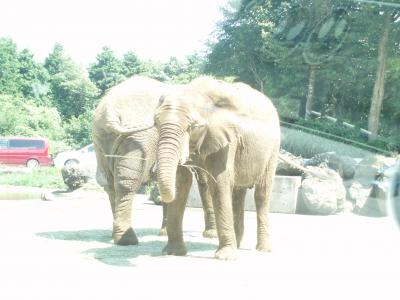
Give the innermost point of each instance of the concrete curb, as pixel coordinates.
(8, 192)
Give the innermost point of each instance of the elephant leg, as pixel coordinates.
(224, 218)
(126, 182)
(262, 207)
(175, 212)
(111, 198)
(221, 192)
(105, 178)
(262, 197)
(238, 197)
(163, 230)
(123, 234)
(210, 230)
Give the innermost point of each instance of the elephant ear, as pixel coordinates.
(221, 130)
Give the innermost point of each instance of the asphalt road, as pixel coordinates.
(62, 249)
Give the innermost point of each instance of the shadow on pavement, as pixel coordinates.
(102, 236)
(122, 255)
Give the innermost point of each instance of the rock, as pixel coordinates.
(46, 196)
(348, 207)
(375, 206)
(155, 193)
(323, 196)
(75, 176)
(344, 165)
(370, 166)
(358, 194)
(286, 169)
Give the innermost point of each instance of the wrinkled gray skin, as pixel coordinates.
(233, 132)
(125, 140)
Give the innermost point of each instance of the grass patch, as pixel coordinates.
(308, 145)
(44, 177)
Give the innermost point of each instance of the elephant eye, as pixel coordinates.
(196, 125)
(193, 126)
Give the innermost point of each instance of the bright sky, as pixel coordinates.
(153, 29)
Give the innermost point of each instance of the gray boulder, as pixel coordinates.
(375, 206)
(323, 196)
(358, 194)
(75, 176)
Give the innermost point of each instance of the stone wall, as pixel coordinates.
(283, 200)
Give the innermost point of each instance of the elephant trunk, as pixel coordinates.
(169, 148)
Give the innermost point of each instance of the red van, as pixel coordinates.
(31, 152)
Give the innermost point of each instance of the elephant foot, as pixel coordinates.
(175, 249)
(163, 231)
(263, 247)
(210, 233)
(125, 239)
(226, 253)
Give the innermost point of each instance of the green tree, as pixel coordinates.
(154, 69)
(34, 79)
(57, 60)
(108, 70)
(9, 67)
(325, 55)
(131, 64)
(183, 71)
(73, 92)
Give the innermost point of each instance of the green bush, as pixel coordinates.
(22, 117)
(78, 130)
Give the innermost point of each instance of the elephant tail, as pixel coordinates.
(289, 161)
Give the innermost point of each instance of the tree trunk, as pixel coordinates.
(379, 86)
(257, 77)
(311, 89)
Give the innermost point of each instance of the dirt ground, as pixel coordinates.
(62, 249)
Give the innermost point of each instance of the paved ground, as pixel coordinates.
(61, 249)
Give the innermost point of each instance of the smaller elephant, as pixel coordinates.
(232, 132)
(125, 139)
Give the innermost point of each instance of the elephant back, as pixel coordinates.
(128, 105)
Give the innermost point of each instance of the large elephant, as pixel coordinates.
(125, 140)
(232, 131)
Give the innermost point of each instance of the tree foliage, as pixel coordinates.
(324, 51)
(108, 70)
(317, 54)
(9, 64)
(73, 93)
(34, 79)
(56, 99)
(183, 71)
(25, 118)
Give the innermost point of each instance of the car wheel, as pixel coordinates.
(32, 163)
(71, 162)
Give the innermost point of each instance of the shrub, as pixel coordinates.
(78, 130)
